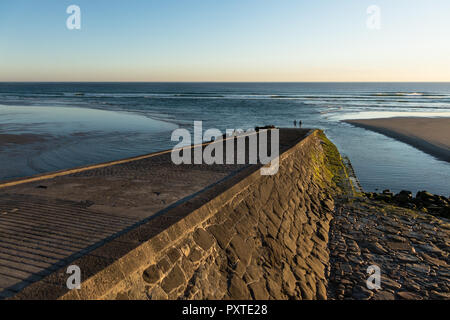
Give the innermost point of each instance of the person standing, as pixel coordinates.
(295, 123)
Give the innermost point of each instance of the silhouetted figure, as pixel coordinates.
(299, 123)
(295, 123)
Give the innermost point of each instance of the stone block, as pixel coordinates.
(238, 289)
(203, 238)
(173, 280)
(222, 235)
(152, 274)
(259, 291)
(156, 293)
(195, 255)
(164, 265)
(173, 254)
(241, 249)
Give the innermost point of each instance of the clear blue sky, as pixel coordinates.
(225, 40)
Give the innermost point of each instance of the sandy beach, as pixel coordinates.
(431, 135)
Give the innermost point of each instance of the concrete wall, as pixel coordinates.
(263, 238)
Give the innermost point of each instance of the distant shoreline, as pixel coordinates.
(430, 135)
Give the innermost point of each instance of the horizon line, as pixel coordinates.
(1, 82)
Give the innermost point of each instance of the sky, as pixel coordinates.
(225, 40)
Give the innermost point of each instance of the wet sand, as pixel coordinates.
(20, 138)
(431, 135)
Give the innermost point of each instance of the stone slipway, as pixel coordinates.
(50, 220)
(145, 229)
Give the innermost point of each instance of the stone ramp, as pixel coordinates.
(38, 235)
(47, 222)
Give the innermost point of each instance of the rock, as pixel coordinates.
(237, 289)
(173, 280)
(376, 248)
(300, 261)
(355, 260)
(222, 234)
(396, 238)
(434, 261)
(156, 293)
(253, 273)
(203, 239)
(384, 197)
(188, 267)
(388, 229)
(151, 274)
(406, 257)
(445, 211)
(321, 291)
(290, 243)
(299, 273)
(431, 248)
(370, 195)
(440, 295)
(259, 290)
(307, 293)
(276, 250)
(383, 295)
(406, 295)
(274, 289)
(425, 196)
(173, 254)
(406, 193)
(241, 249)
(410, 284)
(124, 296)
(421, 268)
(195, 255)
(322, 234)
(389, 283)
(402, 246)
(361, 293)
(316, 266)
(164, 265)
(329, 204)
(239, 269)
(289, 280)
(404, 197)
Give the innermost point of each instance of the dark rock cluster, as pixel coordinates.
(425, 201)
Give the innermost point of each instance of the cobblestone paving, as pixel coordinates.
(411, 249)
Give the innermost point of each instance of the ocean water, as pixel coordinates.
(84, 123)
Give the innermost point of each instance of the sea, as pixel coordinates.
(76, 124)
